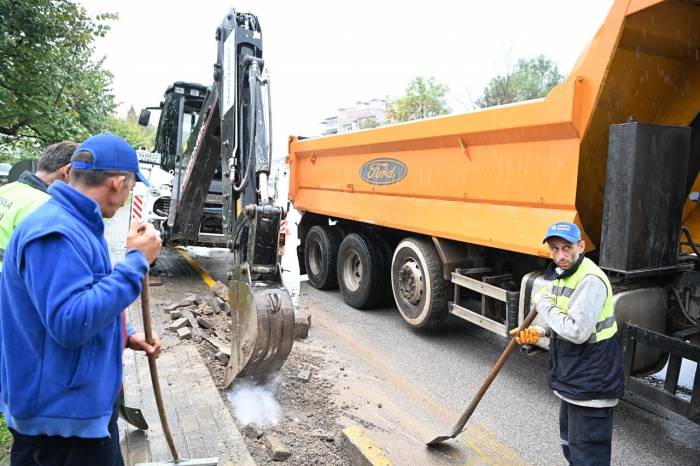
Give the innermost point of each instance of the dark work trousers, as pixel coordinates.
(586, 434)
(54, 450)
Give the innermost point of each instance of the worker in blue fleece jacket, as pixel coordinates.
(61, 300)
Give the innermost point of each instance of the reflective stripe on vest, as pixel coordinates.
(606, 326)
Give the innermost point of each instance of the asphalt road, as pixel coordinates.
(435, 375)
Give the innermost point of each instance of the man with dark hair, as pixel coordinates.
(61, 325)
(19, 199)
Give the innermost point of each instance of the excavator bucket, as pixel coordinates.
(262, 329)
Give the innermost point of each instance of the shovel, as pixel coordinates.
(133, 416)
(148, 330)
(459, 427)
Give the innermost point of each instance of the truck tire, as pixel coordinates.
(360, 271)
(417, 283)
(320, 256)
(386, 251)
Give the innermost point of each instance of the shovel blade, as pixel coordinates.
(440, 439)
(192, 462)
(133, 416)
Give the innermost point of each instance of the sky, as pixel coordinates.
(324, 55)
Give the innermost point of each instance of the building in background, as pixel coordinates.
(362, 115)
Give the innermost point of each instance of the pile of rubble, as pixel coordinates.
(208, 317)
(205, 320)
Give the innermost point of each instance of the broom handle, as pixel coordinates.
(148, 330)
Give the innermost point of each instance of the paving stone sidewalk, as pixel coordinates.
(201, 424)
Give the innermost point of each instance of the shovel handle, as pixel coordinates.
(492, 375)
(148, 330)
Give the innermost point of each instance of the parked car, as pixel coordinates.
(4, 172)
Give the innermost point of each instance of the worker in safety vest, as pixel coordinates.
(20, 198)
(585, 353)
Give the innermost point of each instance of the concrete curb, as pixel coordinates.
(361, 449)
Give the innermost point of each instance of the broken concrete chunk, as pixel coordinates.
(190, 300)
(204, 323)
(171, 307)
(176, 314)
(278, 451)
(304, 375)
(220, 290)
(302, 324)
(178, 324)
(223, 359)
(194, 325)
(253, 431)
(227, 309)
(219, 345)
(184, 333)
(214, 303)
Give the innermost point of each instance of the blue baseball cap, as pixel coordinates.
(566, 230)
(111, 153)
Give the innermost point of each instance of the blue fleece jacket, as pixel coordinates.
(60, 327)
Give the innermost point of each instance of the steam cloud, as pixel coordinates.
(256, 403)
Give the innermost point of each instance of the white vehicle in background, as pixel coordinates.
(151, 204)
(4, 172)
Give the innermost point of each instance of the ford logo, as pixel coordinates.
(383, 171)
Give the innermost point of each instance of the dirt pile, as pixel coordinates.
(304, 431)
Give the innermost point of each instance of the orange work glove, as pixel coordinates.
(528, 336)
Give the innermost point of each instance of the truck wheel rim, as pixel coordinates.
(352, 271)
(315, 255)
(411, 282)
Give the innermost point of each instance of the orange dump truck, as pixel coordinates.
(448, 214)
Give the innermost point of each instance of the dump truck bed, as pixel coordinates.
(499, 176)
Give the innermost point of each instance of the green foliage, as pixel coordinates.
(131, 115)
(12, 150)
(367, 123)
(129, 129)
(424, 98)
(5, 438)
(530, 79)
(51, 87)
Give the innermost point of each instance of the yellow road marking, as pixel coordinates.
(206, 278)
(366, 447)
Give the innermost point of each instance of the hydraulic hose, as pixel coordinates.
(252, 76)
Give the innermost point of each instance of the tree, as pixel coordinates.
(530, 79)
(129, 129)
(424, 98)
(367, 123)
(51, 87)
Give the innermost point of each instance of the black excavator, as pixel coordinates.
(230, 144)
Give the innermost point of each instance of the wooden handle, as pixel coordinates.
(148, 330)
(494, 372)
